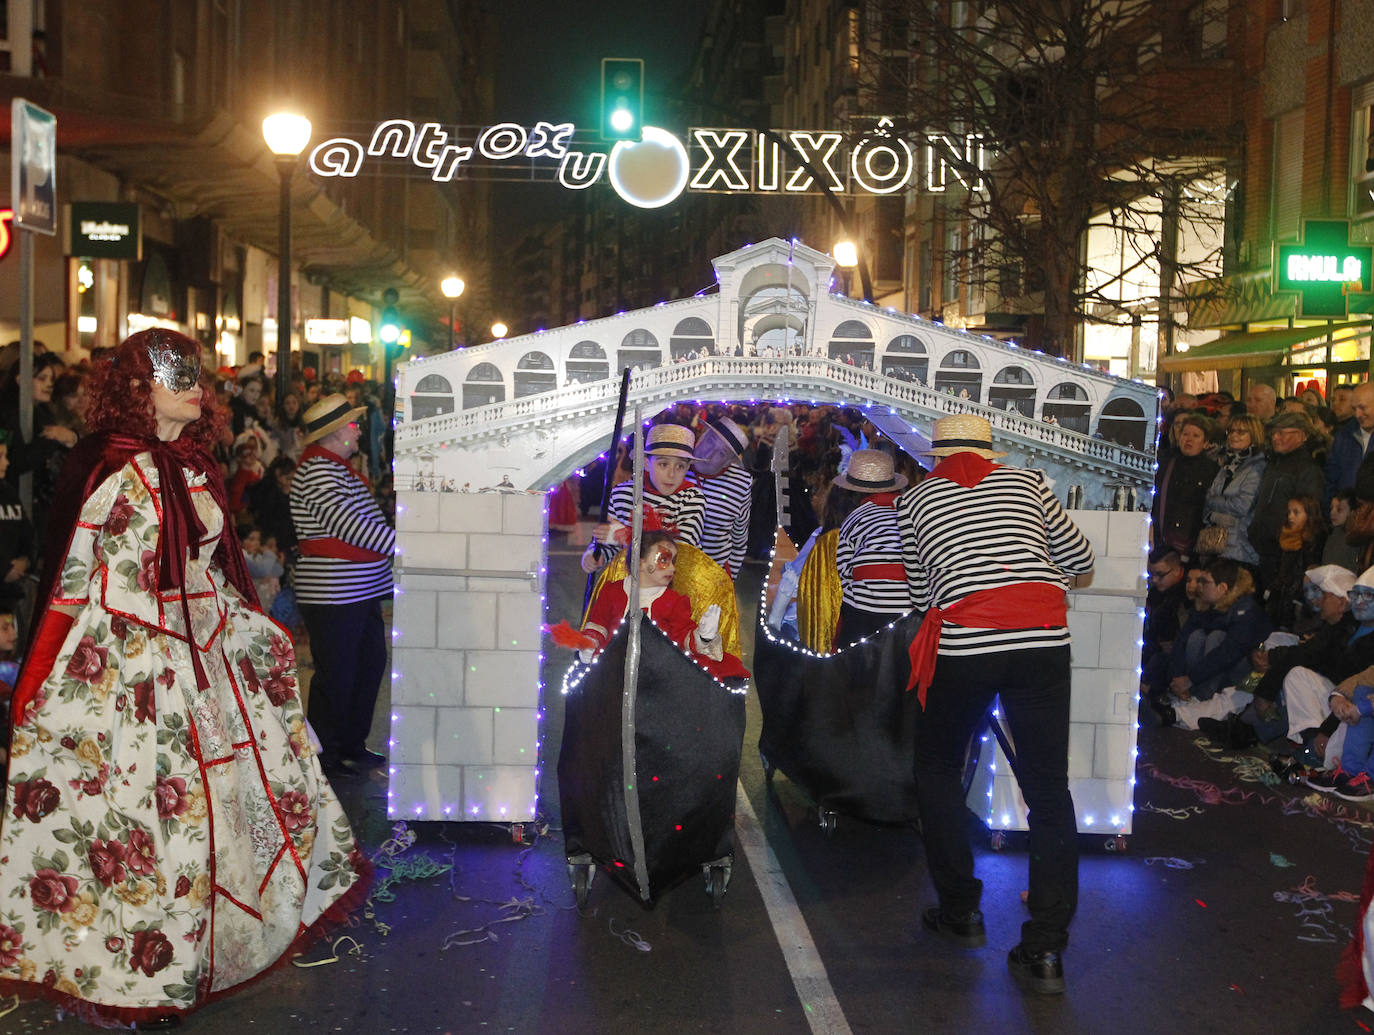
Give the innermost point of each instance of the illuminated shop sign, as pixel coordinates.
(1324, 268)
(655, 170)
(326, 332)
(106, 230)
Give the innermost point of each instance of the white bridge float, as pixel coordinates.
(498, 424)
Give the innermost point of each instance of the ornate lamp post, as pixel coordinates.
(286, 135)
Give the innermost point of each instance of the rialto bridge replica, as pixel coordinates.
(492, 427)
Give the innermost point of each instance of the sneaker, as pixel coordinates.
(1355, 788)
(964, 929)
(1323, 779)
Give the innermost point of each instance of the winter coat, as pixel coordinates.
(1285, 475)
(1180, 492)
(1231, 505)
(1240, 616)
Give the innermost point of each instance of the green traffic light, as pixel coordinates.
(622, 98)
(389, 333)
(622, 120)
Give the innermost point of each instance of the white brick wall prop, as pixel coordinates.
(465, 688)
(1106, 618)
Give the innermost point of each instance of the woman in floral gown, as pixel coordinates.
(167, 832)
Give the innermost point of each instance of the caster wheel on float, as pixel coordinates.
(582, 871)
(1115, 844)
(717, 880)
(826, 818)
(768, 768)
(997, 840)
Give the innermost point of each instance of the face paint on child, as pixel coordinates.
(657, 568)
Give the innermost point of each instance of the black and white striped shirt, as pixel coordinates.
(684, 509)
(725, 532)
(1007, 529)
(870, 536)
(329, 502)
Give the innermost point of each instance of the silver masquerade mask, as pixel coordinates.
(172, 370)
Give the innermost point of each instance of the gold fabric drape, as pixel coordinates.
(818, 595)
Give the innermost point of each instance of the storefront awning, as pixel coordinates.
(1253, 348)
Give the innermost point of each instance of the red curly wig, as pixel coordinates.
(120, 389)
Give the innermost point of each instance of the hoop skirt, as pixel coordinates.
(161, 843)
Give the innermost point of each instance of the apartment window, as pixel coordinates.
(1286, 186)
(1362, 154)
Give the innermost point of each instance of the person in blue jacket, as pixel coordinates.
(1213, 647)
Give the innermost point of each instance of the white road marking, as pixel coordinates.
(809, 978)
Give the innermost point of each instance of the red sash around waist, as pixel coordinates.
(1025, 605)
(337, 549)
(894, 571)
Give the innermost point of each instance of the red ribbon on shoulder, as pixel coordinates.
(1024, 605)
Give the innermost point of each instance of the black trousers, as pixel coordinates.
(348, 644)
(1034, 686)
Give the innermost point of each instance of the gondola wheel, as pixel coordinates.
(717, 879)
(1115, 844)
(582, 871)
(826, 817)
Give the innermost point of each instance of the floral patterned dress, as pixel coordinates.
(161, 844)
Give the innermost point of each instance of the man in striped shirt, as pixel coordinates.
(868, 551)
(728, 489)
(341, 579)
(988, 551)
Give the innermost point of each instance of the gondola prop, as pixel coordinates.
(839, 725)
(651, 751)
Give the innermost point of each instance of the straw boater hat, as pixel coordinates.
(963, 433)
(733, 434)
(870, 470)
(674, 440)
(329, 414)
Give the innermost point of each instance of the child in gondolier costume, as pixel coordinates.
(868, 549)
(728, 489)
(680, 508)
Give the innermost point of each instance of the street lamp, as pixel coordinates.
(286, 135)
(846, 257)
(452, 286)
(499, 329)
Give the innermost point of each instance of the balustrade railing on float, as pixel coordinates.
(802, 378)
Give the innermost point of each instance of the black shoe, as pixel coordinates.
(1039, 972)
(365, 759)
(1214, 730)
(963, 929)
(336, 768)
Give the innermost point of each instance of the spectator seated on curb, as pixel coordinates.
(1213, 648)
(1351, 778)
(1154, 676)
(1221, 717)
(1167, 605)
(1307, 690)
(1326, 592)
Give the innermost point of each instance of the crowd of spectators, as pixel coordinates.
(1261, 588)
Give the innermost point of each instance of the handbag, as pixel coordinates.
(1212, 539)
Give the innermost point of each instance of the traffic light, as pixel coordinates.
(622, 98)
(390, 330)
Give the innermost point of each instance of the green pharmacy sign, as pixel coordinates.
(1325, 269)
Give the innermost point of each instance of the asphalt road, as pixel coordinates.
(1226, 913)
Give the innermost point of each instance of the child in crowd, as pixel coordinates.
(248, 469)
(264, 564)
(1351, 777)
(1300, 545)
(1337, 550)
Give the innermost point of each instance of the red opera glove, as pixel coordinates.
(564, 635)
(52, 633)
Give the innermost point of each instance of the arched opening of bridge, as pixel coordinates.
(640, 349)
(534, 374)
(692, 339)
(1125, 423)
(1068, 404)
(852, 344)
(587, 363)
(960, 375)
(905, 359)
(484, 386)
(433, 397)
(1013, 388)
